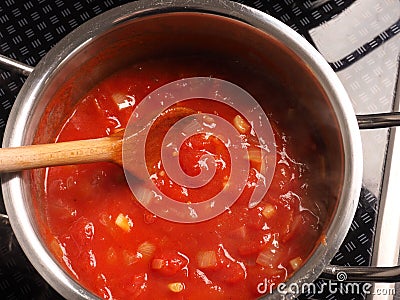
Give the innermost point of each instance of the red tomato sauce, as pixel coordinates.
(118, 250)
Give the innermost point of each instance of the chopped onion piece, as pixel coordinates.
(145, 195)
(206, 259)
(225, 182)
(295, 263)
(123, 101)
(269, 210)
(157, 263)
(176, 287)
(130, 257)
(240, 232)
(124, 222)
(146, 249)
(266, 258)
(254, 155)
(57, 248)
(241, 124)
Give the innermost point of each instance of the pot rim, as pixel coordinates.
(15, 132)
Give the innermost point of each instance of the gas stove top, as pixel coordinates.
(358, 38)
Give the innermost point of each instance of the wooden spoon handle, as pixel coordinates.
(57, 154)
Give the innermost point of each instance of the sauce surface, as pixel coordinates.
(117, 249)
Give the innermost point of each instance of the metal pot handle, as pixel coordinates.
(15, 66)
(367, 273)
(362, 274)
(371, 121)
(382, 120)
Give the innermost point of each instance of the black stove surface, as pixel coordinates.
(29, 28)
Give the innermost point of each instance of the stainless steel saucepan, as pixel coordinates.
(149, 28)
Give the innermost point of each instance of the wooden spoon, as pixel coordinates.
(104, 149)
